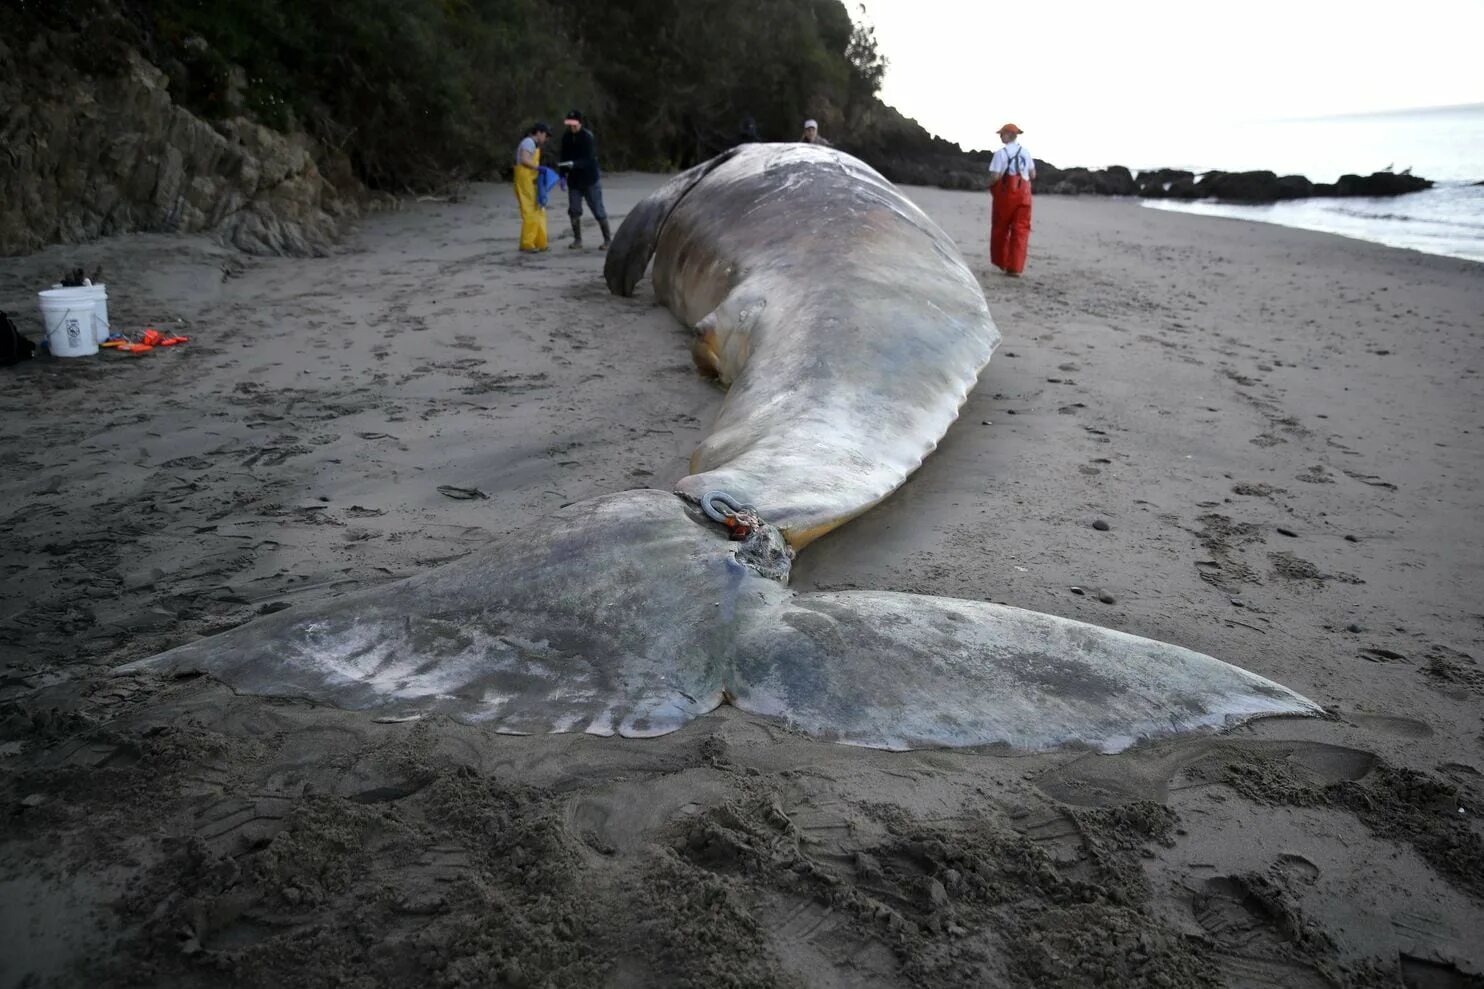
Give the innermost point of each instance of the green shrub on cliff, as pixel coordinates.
(416, 91)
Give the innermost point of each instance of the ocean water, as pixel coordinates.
(1445, 144)
(1446, 220)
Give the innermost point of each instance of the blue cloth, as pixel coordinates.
(546, 180)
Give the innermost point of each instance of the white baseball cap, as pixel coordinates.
(811, 123)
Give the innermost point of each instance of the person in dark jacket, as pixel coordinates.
(579, 163)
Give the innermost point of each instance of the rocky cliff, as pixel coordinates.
(85, 155)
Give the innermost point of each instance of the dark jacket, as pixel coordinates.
(581, 149)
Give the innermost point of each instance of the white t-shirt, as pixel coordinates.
(1006, 160)
(529, 144)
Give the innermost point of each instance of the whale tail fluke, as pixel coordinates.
(908, 671)
(632, 614)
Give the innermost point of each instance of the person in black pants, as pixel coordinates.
(579, 163)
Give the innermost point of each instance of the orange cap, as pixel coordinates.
(1010, 127)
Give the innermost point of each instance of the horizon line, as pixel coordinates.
(1438, 108)
(1394, 111)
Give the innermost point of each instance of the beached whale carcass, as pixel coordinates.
(844, 321)
(850, 331)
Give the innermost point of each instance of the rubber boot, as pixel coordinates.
(576, 232)
(607, 237)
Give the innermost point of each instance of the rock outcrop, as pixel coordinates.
(1115, 180)
(946, 171)
(1266, 187)
(902, 150)
(1253, 187)
(94, 155)
(1165, 183)
(1375, 184)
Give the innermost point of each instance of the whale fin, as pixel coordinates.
(628, 256)
(906, 671)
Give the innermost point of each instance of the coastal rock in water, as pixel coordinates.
(1253, 187)
(1122, 178)
(1266, 187)
(1156, 183)
(113, 153)
(1379, 184)
(1295, 187)
(1184, 189)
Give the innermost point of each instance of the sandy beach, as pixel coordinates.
(1280, 429)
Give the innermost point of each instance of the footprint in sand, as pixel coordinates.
(625, 817)
(1453, 671)
(1388, 724)
(1264, 939)
(1423, 973)
(1316, 474)
(1295, 568)
(1296, 869)
(1153, 772)
(1250, 489)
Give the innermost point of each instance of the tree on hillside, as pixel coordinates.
(416, 91)
(867, 71)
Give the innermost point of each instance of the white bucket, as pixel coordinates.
(101, 327)
(100, 311)
(69, 315)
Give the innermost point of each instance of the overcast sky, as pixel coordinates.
(1074, 68)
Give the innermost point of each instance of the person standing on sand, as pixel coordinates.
(811, 135)
(580, 166)
(1011, 172)
(527, 167)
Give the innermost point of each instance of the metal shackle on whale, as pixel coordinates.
(849, 330)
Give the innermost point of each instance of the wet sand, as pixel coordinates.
(1281, 430)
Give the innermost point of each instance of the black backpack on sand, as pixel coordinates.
(14, 348)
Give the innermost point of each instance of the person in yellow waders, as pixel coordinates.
(527, 166)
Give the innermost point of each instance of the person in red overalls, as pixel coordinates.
(1011, 172)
